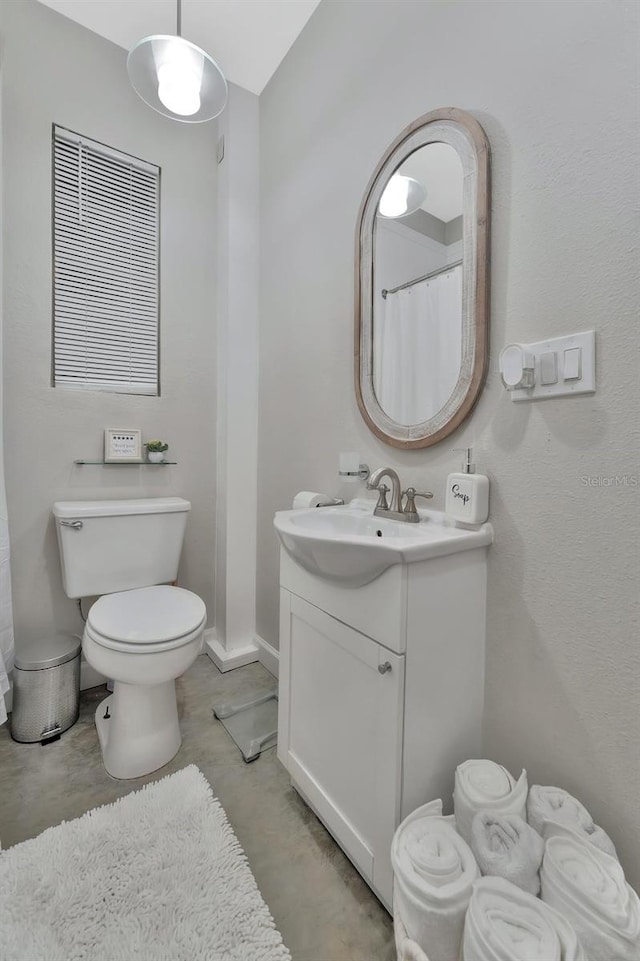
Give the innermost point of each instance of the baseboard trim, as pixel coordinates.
(268, 655)
(226, 660)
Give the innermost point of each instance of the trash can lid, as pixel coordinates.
(47, 652)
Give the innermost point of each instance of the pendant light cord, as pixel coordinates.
(179, 18)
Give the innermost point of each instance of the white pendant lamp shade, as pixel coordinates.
(177, 78)
(402, 196)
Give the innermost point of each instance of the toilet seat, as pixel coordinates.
(147, 619)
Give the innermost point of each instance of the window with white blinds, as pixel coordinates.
(105, 268)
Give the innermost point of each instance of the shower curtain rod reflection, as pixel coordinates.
(410, 283)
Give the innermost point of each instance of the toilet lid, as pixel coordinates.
(147, 615)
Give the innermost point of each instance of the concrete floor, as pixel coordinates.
(320, 903)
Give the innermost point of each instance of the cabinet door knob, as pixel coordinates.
(384, 668)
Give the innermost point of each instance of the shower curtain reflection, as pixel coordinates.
(417, 347)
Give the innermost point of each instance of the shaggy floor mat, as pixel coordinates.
(157, 876)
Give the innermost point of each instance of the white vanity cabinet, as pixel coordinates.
(381, 695)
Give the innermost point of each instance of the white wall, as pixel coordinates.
(555, 87)
(54, 71)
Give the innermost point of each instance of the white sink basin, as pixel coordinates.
(348, 544)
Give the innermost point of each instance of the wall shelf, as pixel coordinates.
(136, 463)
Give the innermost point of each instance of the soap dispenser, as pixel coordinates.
(467, 496)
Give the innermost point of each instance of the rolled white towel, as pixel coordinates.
(504, 923)
(406, 949)
(486, 786)
(549, 809)
(434, 871)
(505, 846)
(588, 888)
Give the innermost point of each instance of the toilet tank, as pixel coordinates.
(107, 546)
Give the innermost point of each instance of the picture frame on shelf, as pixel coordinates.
(122, 445)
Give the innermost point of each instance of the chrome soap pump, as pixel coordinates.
(467, 497)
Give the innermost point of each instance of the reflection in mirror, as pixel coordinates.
(417, 285)
(422, 281)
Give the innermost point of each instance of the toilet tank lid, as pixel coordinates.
(117, 508)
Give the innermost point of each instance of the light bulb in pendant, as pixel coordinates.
(179, 88)
(402, 196)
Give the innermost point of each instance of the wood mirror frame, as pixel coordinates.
(464, 133)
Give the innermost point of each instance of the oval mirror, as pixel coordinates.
(422, 281)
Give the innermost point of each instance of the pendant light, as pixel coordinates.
(402, 196)
(177, 78)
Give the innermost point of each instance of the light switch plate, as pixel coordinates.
(586, 384)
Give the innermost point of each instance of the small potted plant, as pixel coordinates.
(155, 451)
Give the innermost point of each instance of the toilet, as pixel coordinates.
(141, 632)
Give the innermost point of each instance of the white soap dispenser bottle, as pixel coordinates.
(467, 496)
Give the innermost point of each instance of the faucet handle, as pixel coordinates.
(411, 493)
(382, 504)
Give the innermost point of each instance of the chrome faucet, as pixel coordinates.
(396, 511)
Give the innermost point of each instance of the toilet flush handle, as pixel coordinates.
(76, 525)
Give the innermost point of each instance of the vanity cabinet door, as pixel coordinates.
(340, 731)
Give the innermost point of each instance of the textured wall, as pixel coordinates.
(555, 87)
(54, 71)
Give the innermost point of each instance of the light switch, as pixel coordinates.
(573, 363)
(563, 367)
(549, 367)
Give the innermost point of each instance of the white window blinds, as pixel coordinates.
(106, 268)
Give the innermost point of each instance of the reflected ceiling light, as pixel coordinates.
(402, 196)
(177, 78)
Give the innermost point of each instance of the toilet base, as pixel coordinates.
(138, 728)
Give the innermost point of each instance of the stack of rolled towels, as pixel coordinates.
(513, 875)
(434, 871)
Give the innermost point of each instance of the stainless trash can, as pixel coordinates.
(46, 688)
